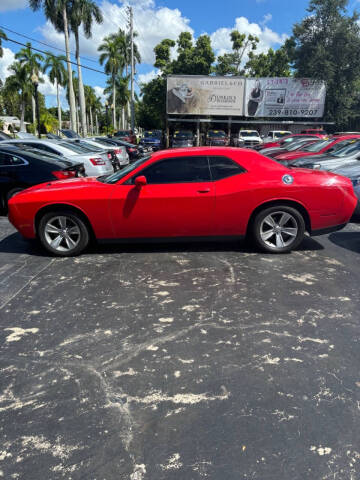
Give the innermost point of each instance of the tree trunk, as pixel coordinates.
(114, 104)
(73, 123)
(123, 118)
(58, 103)
(33, 106)
(91, 122)
(22, 116)
(81, 87)
(77, 114)
(97, 124)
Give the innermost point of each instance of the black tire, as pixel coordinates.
(73, 221)
(282, 238)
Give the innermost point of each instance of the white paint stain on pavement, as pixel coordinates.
(321, 450)
(18, 333)
(173, 463)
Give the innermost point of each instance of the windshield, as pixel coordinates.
(123, 133)
(152, 134)
(298, 144)
(347, 149)
(281, 134)
(115, 177)
(89, 147)
(183, 134)
(216, 133)
(317, 146)
(249, 133)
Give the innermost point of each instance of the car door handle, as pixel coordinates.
(205, 190)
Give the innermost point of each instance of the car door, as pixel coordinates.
(177, 201)
(234, 196)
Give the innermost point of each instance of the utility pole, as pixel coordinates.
(132, 106)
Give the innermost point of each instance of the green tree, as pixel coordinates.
(326, 46)
(57, 76)
(2, 37)
(19, 81)
(83, 12)
(57, 12)
(274, 63)
(32, 62)
(230, 63)
(112, 55)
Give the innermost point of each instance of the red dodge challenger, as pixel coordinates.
(206, 192)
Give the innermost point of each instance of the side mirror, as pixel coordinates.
(140, 181)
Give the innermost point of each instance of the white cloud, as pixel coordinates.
(266, 19)
(147, 77)
(152, 23)
(7, 59)
(6, 5)
(268, 38)
(100, 93)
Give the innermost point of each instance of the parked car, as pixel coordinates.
(5, 136)
(183, 138)
(126, 135)
(153, 139)
(275, 135)
(134, 151)
(352, 171)
(102, 150)
(273, 152)
(94, 164)
(217, 138)
(314, 130)
(329, 161)
(195, 192)
(20, 169)
(247, 138)
(116, 153)
(323, 147)
(286, 140)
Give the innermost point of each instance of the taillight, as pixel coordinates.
(97, 161)
(63, 174)
(109, 156)
(132, 149)
(117, 151)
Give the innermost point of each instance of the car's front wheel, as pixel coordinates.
(63, 233)
(278, 229)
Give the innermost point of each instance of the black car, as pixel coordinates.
(68, 133)
(183, 138)
(20, 169)
(5, 136)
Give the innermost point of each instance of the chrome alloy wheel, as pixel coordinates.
(279, 230)
(62, 233)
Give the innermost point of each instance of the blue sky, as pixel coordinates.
(271, 20)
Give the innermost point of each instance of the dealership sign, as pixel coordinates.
(250, 97)
(284, 97)
(199, 95)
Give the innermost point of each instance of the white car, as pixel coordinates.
(120, 152)
(94, 163)
(275, 135)
(247, 138)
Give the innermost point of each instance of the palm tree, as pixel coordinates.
(20, 82)
(2, 37)
(31, 61)
(91, 99)
(112, 56)
(83, 12)
(57, 76)
(57, 12)
(122, 94)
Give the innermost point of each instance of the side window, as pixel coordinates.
(6, 160)
(223, 167)
(177, 170)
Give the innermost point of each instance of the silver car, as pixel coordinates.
(352, 171)
(94, 163)
(119, 151)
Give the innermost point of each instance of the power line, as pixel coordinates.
(42, 51)
(46, 44)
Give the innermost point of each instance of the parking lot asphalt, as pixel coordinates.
(184, 361)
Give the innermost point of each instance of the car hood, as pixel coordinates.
(351, 170)
(63, 185)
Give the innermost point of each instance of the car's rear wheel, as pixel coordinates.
(278, 229)
(63, 233)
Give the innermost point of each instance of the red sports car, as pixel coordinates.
(205, 192)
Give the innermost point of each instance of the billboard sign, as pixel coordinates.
(205, 95)
(284, 97)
